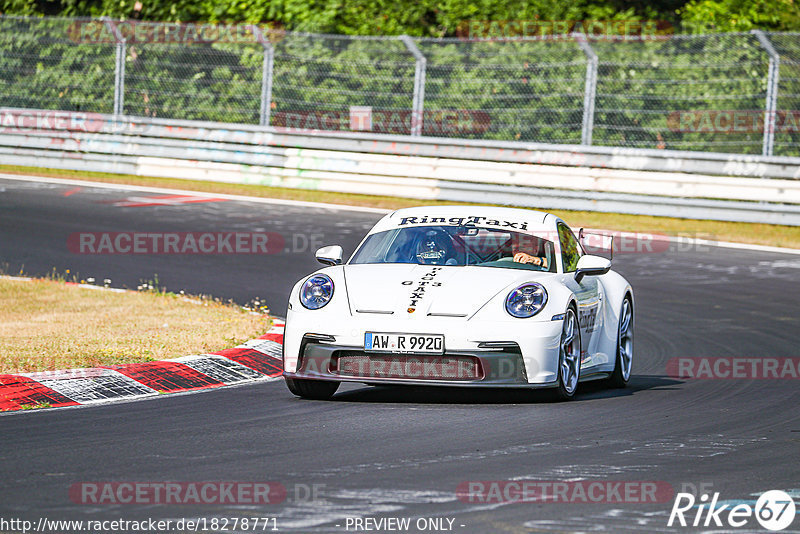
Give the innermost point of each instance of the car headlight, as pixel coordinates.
(526, 300)
(316, 292)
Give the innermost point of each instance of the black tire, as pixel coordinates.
(619, 377)
(312, 389)
(565, 389)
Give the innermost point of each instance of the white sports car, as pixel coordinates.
(460, 296)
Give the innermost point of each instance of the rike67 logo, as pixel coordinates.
(774, 510)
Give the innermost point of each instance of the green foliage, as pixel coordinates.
(18, 7)
(436, 18)
(703, 16)
(645, 89)
(218, 82)
(43, 68)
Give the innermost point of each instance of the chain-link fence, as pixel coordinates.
(42, 67)
(737, 93)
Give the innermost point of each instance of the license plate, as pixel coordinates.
(416, 343)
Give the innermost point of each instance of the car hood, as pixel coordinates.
(418, 291)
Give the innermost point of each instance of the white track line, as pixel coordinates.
(146, 189)
(339, 207)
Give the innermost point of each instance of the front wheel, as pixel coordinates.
(624, 360)
(569, 357)
(312, 389)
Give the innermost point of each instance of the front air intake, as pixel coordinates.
(405, 366)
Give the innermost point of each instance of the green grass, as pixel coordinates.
(34, 406)
(761, 234)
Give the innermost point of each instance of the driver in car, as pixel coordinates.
(525, 257)
(434, 248)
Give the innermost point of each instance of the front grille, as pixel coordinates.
(406, 366)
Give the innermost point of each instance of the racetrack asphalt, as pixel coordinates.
(403, 452)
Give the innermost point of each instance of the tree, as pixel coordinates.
(706, 16)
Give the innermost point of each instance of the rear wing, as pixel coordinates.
(594, 242)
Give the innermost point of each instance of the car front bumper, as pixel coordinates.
(515, 354)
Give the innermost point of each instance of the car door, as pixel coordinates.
(588, 292)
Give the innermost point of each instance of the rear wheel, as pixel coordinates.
(569, 357)
(312, 389)
(624, 360)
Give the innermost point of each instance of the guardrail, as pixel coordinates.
(647, 182)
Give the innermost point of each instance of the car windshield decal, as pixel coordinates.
(421, 286)
(464, 221)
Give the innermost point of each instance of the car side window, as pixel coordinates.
(570, 249)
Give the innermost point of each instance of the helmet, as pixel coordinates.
(433, 247)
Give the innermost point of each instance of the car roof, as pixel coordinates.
(518, 219)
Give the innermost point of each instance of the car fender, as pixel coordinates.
(615, 288)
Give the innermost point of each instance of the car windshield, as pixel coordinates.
(458, 245)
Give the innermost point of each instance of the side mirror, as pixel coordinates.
(589, 265)
(330, 255)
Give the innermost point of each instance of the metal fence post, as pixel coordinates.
(771, 104)
(266, 76)
(119, 68)
(589, 90)
(418, 103)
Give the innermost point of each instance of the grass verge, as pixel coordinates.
(760, 234)
(49, 324)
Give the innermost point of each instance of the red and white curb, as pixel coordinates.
(257, 359)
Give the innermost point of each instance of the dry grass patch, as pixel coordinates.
(48, 325)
